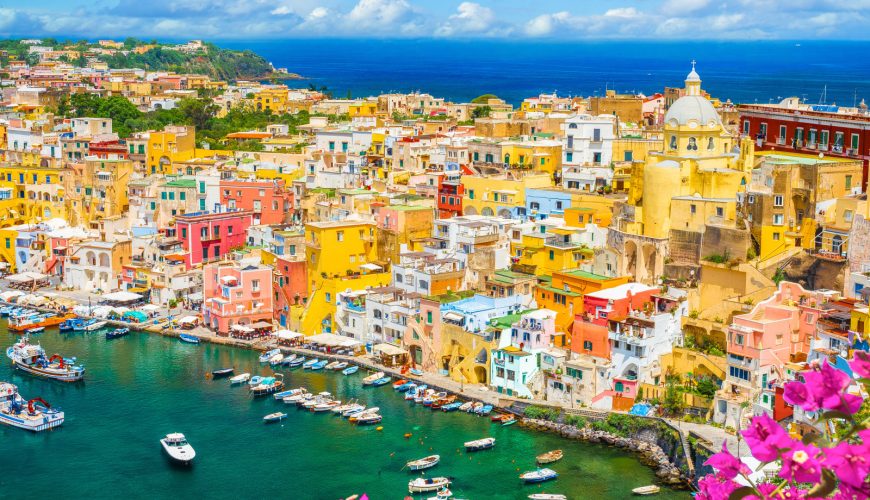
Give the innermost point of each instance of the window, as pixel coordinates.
(720, 212)
(854, 143)
(569, 157)
(823, 141)
(692, 145)
(777, 200)
(738, 373)
(181, 196)
(847, 215)
(216, 231)
(229, 229)
(777, 219)
(552, 255)
(751, 198)
(184, 232)
(811, 141)
(762, 131)
(673, 143)
(339, 235)
(470, 194)
(429, 317)
(596, 158)
(746, 127)
(587, 345)
(775, 236)
(782, 132)
(255, 285)
(693, 209)
(848, 182)
(328, 297)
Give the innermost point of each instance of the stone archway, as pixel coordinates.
(480, 374)
(487, 212)
(469, 211)
(629, 259)
(650, 258)
(504, 213)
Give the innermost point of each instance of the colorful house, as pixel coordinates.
(236, 295)
(209, 236)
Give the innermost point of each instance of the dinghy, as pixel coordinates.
(240, 379)
(423, 463)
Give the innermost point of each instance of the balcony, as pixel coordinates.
(563, 244)
(837, 148)
(780, 141)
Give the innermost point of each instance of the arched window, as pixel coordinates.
(693, 144)
(673, 142)
(572, 125)
(710, 144)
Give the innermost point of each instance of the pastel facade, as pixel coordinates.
(209, 236)
(236, 294)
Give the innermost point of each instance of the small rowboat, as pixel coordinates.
(399, 383)
(266, 356)
(332, 365)
(547, 496)
(423, 463)
(340, 366)
(381, 381)
(646, 490)
(288, 359)
(372, 378)
(508, 421)
(416, 372)
(422, 484)
(223, 372)
(369, 419)
(549, 457)
(255, 380)
(276, 359)
(117, 333)
(311, 362)
(480, 444)
(291, 392)
(190, 339)
(452, 406)
(240, 379)
(274, 417)
(297, 362)
(466, 406)
(539, 476)
(350, 370)
(319, 365)
(38, 329)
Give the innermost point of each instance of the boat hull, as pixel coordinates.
(46, 422)
(52, 321)
(65, 376)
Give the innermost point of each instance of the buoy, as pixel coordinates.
(407, 435)
(380, 428)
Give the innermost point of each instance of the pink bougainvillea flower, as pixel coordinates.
(727, 465)
(765, 438)
(712, 487)
(851, 462)
(860, 364)
(797, 394)
(849, 403)
(847, 492)
(823, 388)
(800, 463)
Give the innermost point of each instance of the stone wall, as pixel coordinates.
(719, 240)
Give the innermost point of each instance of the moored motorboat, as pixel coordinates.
(96, 325)
(433, 396)
(266, 356)
(190, 339)
(295, 363)
(399, 383)
(452, 406)
(299, 398)
(413, 393)
(423, 484)
(311, 362)
(326, 406)
(508, 421)
(368, 419)
(646, 490)
(350, 370)
(268, 385)
(369, 380)
(223, 372)
(34, 320)
(288, 359)
(476, 407)
(274, 417)
(549, 457)
(484, 410)
(480, 444)
(331, 365)
(67, 325)
(547, 496)
(539, 476)
(31, 358)
(38, 329)
(381, 381)
(320, 398)
(34, 415)
(276, 359)
(341, 365)
(423, 463)
(255, 380)
(117, 333)
(341, 408)
(466, 406)
(319, 365)
(353, 410)
(240, 379)
(286, 394)
(176, 446)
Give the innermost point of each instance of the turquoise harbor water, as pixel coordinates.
(143, 386)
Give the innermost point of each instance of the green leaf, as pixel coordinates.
(740, 493)
(810, 438)
(826, 486)
(835, 414)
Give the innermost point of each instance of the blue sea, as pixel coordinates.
(745, 72)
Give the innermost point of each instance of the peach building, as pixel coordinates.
(237, 297)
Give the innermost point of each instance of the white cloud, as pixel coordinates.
(546, 24)
(471, 19)
(623, 12)
(282, 10)
(682, 7)
(379, 13)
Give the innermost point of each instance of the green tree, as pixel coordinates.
(197, 112)
(673, 403)
(483, 99)
(481, 112)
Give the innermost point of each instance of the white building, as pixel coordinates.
(587, 151)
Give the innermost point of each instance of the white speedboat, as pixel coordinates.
(177, 448)
(35, 415)
(240, 379)
(422, 484)
(266, 356)
(372, 378)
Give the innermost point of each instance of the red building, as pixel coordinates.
(208, 236)
(590, 334)
(108, 149)
(808, 129)
(271, 202)
(450, 193)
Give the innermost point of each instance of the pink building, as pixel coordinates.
(271, 202)
(760, 343)
(208, 236)
(238, 298)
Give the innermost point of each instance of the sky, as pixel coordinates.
(490, 19)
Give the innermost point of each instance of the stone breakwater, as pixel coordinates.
(651, 454)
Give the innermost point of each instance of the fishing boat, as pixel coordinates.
(36, 320)
(353, 410)
(412, 394)
(547, 496)
(190, 339)
(371, 378)
(295, 363)
(286, 394)
(466, 406)
(442, 494)
(117, 333)
(381, 381)
(452, 406)
(539, 476)
(346, 406)
(311, 362)
(399, 383)
(179, 450)
(298, 398)
(549, 457)
(5, 310)
(475, 407)
(443, 401)
(31, 358)
(646, 490)
(424, 484)
(96, 325)
(484, 410)
(67, 325)
(326, 406)
(276, 359)
(255, 380)
(423, 394)
(81, 325)
(274, 417)
(288, 359)
(364, 413)
(350, 370)
(266, 356)
(319, 365)
(223, 372)
(423, 463)
(316, 400)
(433, 396)
(240, 379)
(34, 415)
(480, 444)
(268, 385)
(331, 365)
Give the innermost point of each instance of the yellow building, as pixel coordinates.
(544, 155)
(98, 191)
(362, 108)
(499, 195)
(678, 192)
(171, 145)
(338, 248)
(29, 194)
(272, 100)
(550, 252)
(688, 365)
(318, 313)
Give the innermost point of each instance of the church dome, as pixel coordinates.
(692, 108)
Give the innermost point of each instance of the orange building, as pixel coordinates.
(590, 332)
(564, 293)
